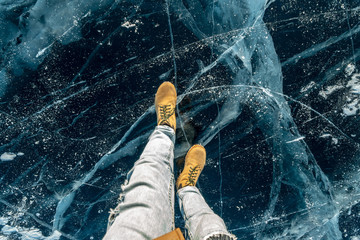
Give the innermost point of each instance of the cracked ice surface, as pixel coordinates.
(271, 88)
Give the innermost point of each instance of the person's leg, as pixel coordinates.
(146, 208)
(200, 221)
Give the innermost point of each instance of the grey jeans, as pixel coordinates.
(146, 204)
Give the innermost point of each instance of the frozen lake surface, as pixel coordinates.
(271, 88)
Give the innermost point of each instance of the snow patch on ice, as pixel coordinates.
(334, 140)
(134, 24)
(8, 230)
(128, 24)
(296, 140)
(3, 220)
(352, 107)
(25, 233)
(9, 156)
(350, 69)
(329, 90)
(42, 51)
(354, 84)
(307, 87)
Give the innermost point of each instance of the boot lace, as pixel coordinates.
(193, 172)
(166, 111)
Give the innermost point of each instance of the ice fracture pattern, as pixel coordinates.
(271, 88)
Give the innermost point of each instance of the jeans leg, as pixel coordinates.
(146, 208)
(200, 221)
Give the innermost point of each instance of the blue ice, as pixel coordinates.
(303, 201)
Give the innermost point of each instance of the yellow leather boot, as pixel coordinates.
(165, 103)
(194, 164)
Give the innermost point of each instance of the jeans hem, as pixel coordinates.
(220, 235)
(168, 131)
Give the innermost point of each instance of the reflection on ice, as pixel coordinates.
(77, 87)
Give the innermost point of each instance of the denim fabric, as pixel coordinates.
(146, 208)
(146, 204)
(200, 221)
